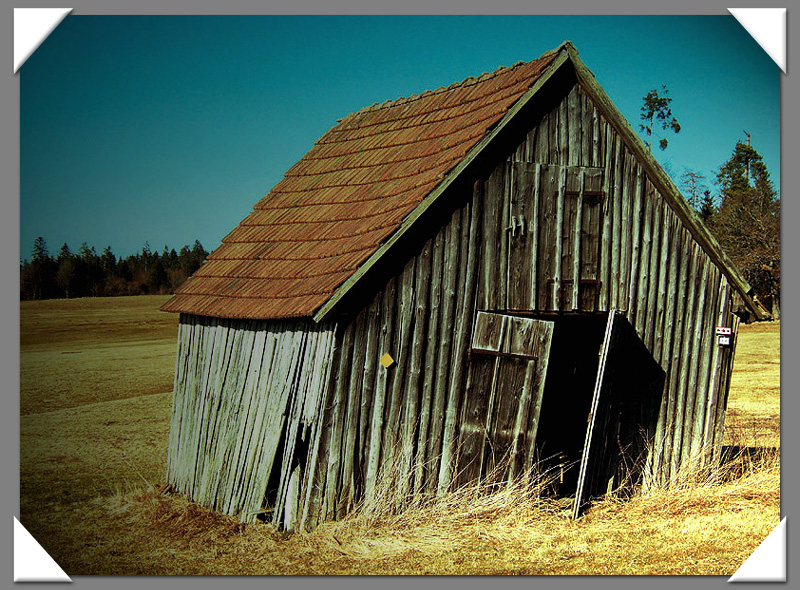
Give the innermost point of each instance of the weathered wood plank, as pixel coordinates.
(472, 436)
(254, 418)
(508, 398)
(617, 232)
(461, 337)
(591, 239)
(381, 386)
(728, 356)
(443, 364)
(725, 366)
(541, 150)
(642, 262)
(563, 132)
(715, 374)
(493, 290)
(522, 236)
(630, 243)
(401, 345)
(706, 362)
(559, 234)
(554, 140)
(696, 358)
(655, 270)
(684, 359)
(578, 241)
(411, 417)
(545, 336)
(682, 262)
(574, 121)
(371, 364)
(321, 446)
(533, 230)
(597, 141)
(360, 356)
(663, 331)
(548, 235)
(336, 427)
(423, 460)
(607, 211)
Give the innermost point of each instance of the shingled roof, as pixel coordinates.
(352, 190)
(363, 184)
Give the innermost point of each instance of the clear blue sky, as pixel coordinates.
(169, 129)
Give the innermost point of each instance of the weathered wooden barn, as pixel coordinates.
(456, 285)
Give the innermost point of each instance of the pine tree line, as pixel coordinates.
(745, 217)
(87, 274)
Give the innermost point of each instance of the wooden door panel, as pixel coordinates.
(504, 389)
(504, 429)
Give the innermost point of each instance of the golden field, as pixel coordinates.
(95, 381)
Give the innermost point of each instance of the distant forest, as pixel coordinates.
(87, 274)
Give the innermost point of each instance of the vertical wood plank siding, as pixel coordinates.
(237, 385)
(529, 219)
(566, 222)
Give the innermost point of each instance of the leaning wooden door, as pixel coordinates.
(623, 414)
(507, 366)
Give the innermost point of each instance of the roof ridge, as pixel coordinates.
(468, 81)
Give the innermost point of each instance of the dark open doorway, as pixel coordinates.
(596, 356)
(571, 375)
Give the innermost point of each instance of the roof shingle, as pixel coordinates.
(346, 196)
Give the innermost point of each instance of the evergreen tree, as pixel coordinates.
(707, 209)
(66, 272)
(747, 223)
(37, 280)
(108, 261)
(156, 277)
(40, 251)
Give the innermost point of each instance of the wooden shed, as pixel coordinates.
(456, 285)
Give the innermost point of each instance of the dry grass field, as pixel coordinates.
(95, 377)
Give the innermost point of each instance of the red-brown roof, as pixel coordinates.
(346, 196)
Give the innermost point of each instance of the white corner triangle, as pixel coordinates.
(768, 562)
(768, 27)
(31, 27)
(31, 562)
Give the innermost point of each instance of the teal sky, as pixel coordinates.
(164, 130)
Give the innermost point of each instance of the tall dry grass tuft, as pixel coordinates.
(734, 462)
(741, 476)
(497, 508)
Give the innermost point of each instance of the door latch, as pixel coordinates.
(517, 223)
